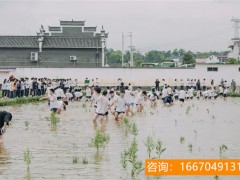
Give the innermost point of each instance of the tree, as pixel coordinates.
(188, 58)
(115, 57)
(138, 63)
(232, 61)
(154, 56)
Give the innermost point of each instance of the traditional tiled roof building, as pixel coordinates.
(72, 44)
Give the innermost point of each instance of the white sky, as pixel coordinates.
(156, 25)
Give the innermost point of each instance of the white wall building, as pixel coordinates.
(136, 76)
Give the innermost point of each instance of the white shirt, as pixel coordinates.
(139, 99)
(190, 92)
(182, 94)
(169, 90)
(127, 96)
(130, 88)
(198, 93)
(152, 97)
(120, 104)
(88, 92)
(4, 86)
(59, 92)
(209, 93)
(78, 94)
(69, 95)
(53, 101)
(225, 91)
(164, 93)
(205, 93)
(221, 89)
(102, 105)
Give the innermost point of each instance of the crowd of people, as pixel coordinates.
(118, 101)
(125, 101)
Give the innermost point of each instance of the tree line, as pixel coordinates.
(114, 57)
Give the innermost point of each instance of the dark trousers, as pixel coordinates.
(26, 92)
(22, 93)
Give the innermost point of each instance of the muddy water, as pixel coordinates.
(206, 126)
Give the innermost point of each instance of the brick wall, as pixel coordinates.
(50, 58)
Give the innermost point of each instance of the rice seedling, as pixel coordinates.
(207, 110)
(28, 175)
(84, 160)
(130, 127)
(100, 140)
(182, 140)
(75, 159)
(27, 157)
(222, 149)
(149, 143)
(54, 119)
(159, 148)
(129, 156)
(26, 124)
(84, 105)
(188, 110)
(134, 129)
(190, 147)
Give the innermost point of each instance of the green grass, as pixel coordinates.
(16, 101)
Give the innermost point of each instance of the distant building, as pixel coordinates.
(235, 43)
(200, 60)
(212, 59)
(72, 44)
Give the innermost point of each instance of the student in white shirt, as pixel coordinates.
(169, 90)
(127, 97)
(182, 95)
(220, 90)
(120, 105)
(54, 103)
(198, 94)
(88, 93)
(102, 107)
(225, 92)
(190, 92)
(209, 93)
(164, 93)
(95, 97)
(69, 95)
(205, 94)
(59, 93)
(175, 94)
(78, 95)
(139, 101)
(153, 98)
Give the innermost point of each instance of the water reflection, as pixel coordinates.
(5, 159)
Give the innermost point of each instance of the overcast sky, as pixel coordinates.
(156, 25)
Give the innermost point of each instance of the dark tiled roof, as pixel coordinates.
(72, 23)
(49, 42)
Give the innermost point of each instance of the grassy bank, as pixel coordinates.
(22, 100)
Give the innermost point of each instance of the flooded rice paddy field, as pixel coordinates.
(203, 124)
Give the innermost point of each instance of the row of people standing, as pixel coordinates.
(196, 84)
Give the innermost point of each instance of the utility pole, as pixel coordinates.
(122, 48)
(131, 49)
(103, 41)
